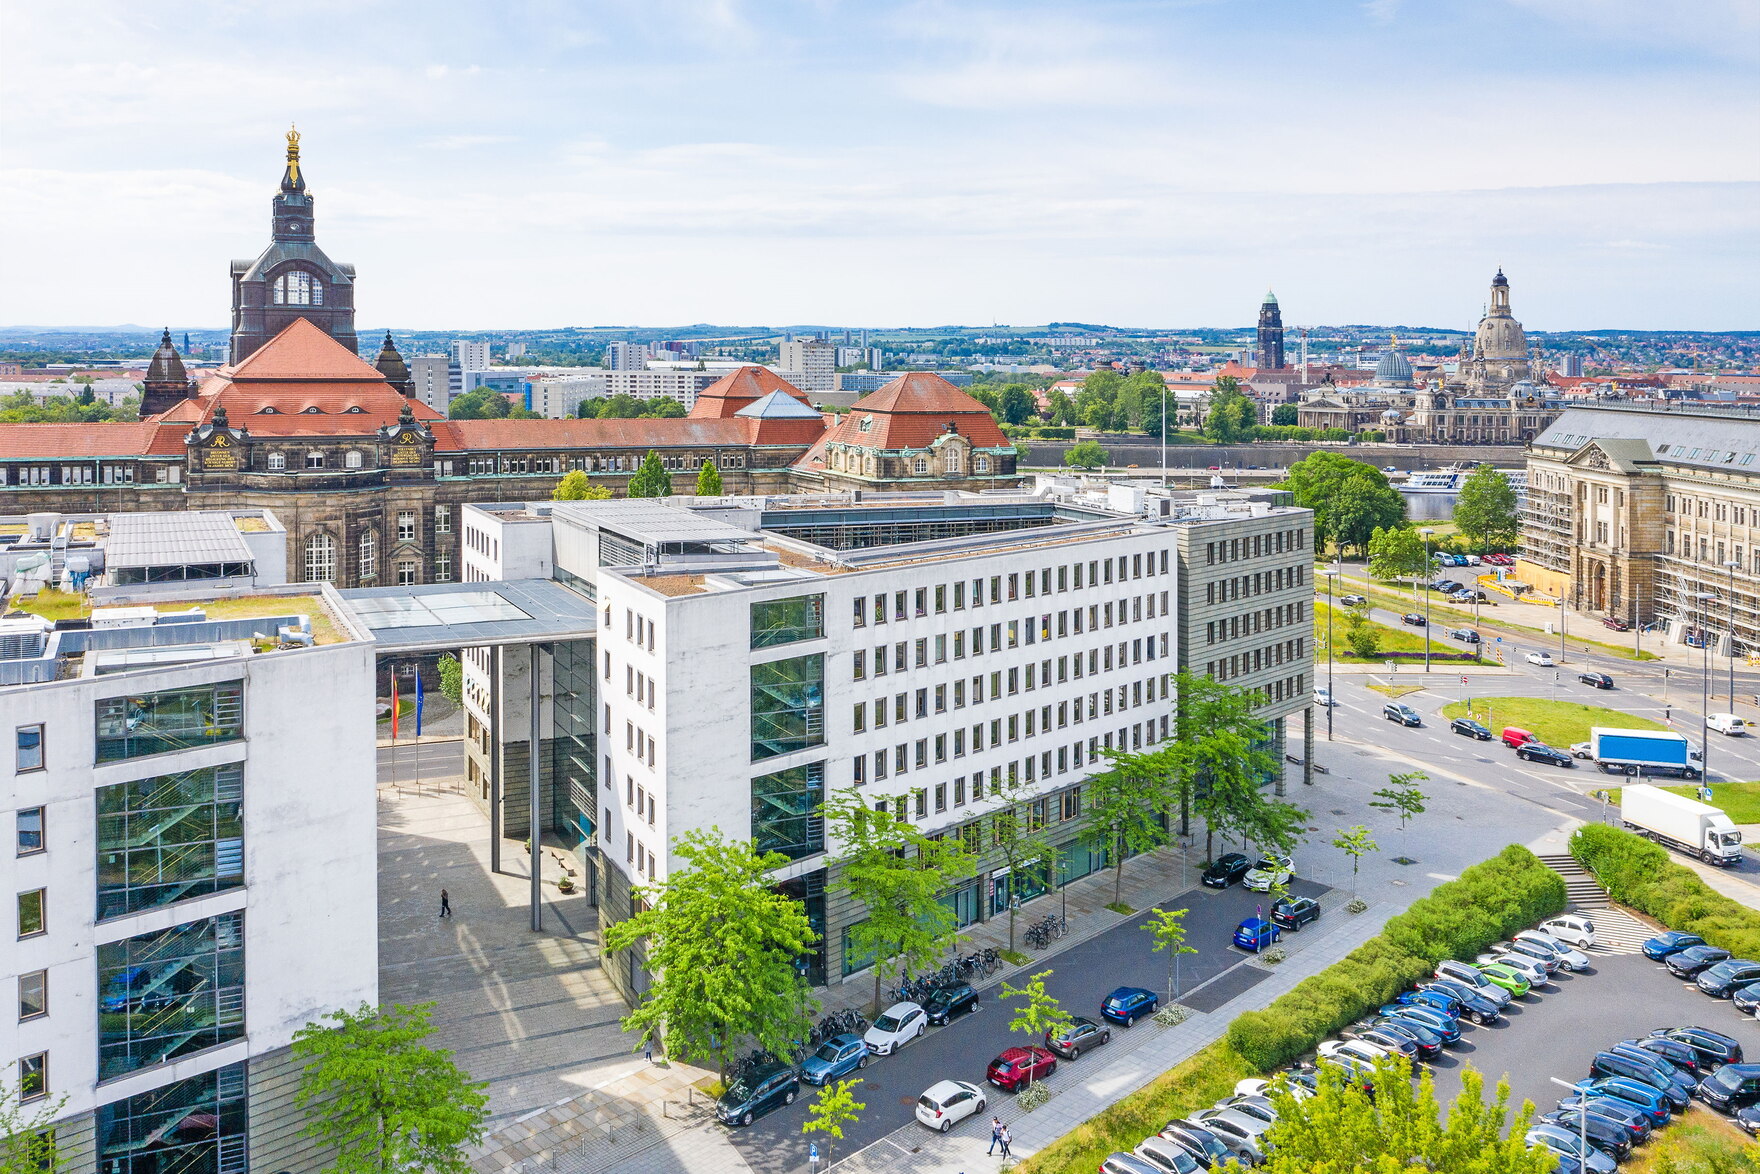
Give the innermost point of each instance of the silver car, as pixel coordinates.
(1568, 956)
(1239, 1131)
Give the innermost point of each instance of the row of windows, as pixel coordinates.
(1258, 583)
(1259, 659)
(1228, 550)
(1046, 764)
(1708, 551)
(1009, 682)
(531, 464)
(1717, 511)
(1004, 588)
(1008, 634)
(92, 474)
(1253, 622)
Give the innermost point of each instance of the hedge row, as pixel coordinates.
(1641, 874)
(1458, 919)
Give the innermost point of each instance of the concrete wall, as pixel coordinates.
(1146, 452)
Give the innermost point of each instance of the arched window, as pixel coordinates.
(369, 554)
(950, 459)
(314, 460)
(980, 464)
(277, 461)
(320, 559)
(353, 459)
(920, 466)
(298, 288)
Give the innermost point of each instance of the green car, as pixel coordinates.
(1507, 977)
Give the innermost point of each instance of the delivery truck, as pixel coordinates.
(1643, 752)
(1684, 824)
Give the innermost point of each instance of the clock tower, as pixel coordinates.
(292, 278)
(1270, 356)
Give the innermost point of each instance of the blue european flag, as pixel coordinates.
(418, 703)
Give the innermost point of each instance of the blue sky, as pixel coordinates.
(559, 162)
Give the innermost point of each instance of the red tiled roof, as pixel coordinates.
(304, 352)
(741, 388)
(912, 411)
(116, 438)
(469, 435)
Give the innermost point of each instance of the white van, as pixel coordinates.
(1727, 723)
(1571, 928)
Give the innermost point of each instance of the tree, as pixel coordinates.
(895, 872)
(665, 408)
(1356, 843)
(1317, 482)
(1397, 552)
(650, 480)
(27, 1140)
(1018, 405)
(708, 480)
(1232, 416)
(1341, 1130)
(1362, 634)
(1039, 1014)
(1486, 513)
(1225, 760)
(1168, 928)
(577, 486)
(1086, 454)
(834, 1107)
(480, 403)
(1402, 796)
(1359, 508)
(1063, 409)
(1127, 804)
(1284, 415)
(384, 1100)
(451, 677)
(721, 943)
(1021, 837)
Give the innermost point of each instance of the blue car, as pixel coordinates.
(1256, 933)
(1671, 942)
(1653, 1101)
(837, 1056)
(1443, 1025)
(1436, 1000)
(1128, 1004)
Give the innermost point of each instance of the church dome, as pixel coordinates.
(1394, 369)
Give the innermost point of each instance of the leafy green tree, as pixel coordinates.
(577, 486)
(21, 407)
(381, 1098)
(451, 677)
(27, 1139)
(834, 1107)
(1232, 416)
(1020, 837)
(1362, 634)
(481, 403)
(1018, 404)
(1341, 1130)
(665, 408)
(708, 480)
(722, 944)
(1486, 513)
(1402, 796)
(1359, 508)
(1063, 409)
(1345, 516)
(1126, 805)
(1225, 759)
(651, 479)
(1168, 929)
(1397, 552)
(897, 874)
(1039, 1014)
(1284, 415)
(1086, 454)
(1355, 842)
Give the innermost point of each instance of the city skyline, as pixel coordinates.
(726, 162)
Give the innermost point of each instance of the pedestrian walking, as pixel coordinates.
(1004, 1137)
(445, 904)
(995, 1134)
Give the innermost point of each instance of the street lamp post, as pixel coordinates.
(1705, 598)
(1427, 532)
(1731, 603)
(1582, 1113)
(1331, 574)
(1164, 435)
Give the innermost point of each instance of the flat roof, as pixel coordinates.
(174, 539)
(432, 616)
(653, 520)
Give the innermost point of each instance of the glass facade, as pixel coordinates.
(194, 1126)
(785, 811)
(573, 743)
(167, 994)
(170, 837)
(788, 706)
(785, 621)
(809, 890)
(176, 719)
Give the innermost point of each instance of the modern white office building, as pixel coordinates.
(191, 789)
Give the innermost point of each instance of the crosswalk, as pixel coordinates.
(1618, 932)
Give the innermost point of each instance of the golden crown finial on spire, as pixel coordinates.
(293, 152)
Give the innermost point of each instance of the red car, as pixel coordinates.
(1016, 1066)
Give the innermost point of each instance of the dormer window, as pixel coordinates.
(313, 410)
(353, 459)
(268, 410)
(277, 461)
(354, 410)
(866, 424)
(298, 288)
(314, 460)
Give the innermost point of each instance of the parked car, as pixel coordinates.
(1271, 870)
(1352, 1049)
(1468, 728)
(1256, 934)
(1413, 619)
(1462, 596)
(1746, 999)
(838, 1056)
(1531, 970)
(1650, 1099)
(1353, 600)
(1236, 1130)
(1391, 1041)
(1597, 680)
(1727, 723)
(1552, 959)
(1719, 980)
(1573, 929)
(946, 1103)
(1399, 711)
(1119, 1162)
(1438, 1000)
(1198, 1141)
(1484, 1010)
(1225, 870)
(1080, 1034)
(1569, 956)
(1617, 624)
(1617, 1064)
(1166, 1157)
(1299, 1083)
(1541, 752)
(1128, 1004)
(1446, 586)
(1671, 941)
(1715, 1048)
(897, 1026)
(1626, 1115)
(1747, 1119)
(948, 1001)
(1473, 978)
(1464, 635)
(770, 1086)
(1295, 912)
(1682, 1080)
(1254, 1106)
(1610, 1137)
(1428, 1042)
(1445, 1026)
(1507, 975)
(1675, 1052)
(1016, 1066)
(1689, 962)
(1562, 1141)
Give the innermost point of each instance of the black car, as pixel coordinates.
(1731, 1087)
(1689, 962)
(1718, 981)
(1079, 1035)
(1607, 1136)
(1467, 727)
(1427, 1042)
(1541, 752)
(1746, 999)
(1464, 635)
(1226, 869)
(1714, 1047)
(1295, 912)
(1353, 600)
(1598, 680)
(1414, 619)
(1671, 942)
(1682, 1081)
(1482, 1010)
(769, 1087)
(1626, 1115)
(1617, 1064)
(948, 1001)
(1672, 1050)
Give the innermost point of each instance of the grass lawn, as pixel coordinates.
(1397, 691)
(1739, 801)
(1402, 640)
(1697, 1142)
(1556, 723)
(1449, 615)
(66, 605)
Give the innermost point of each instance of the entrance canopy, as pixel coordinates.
(439, 616)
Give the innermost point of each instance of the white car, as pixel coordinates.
(1580, 749)
(1571, 928)
(897, 1026)
(1264, 1086)
(1354, 1049)
(1727, 723)
(1323, 698)
(947, 1103)
(1271, 870)
(1543, 659)
(1569, 958)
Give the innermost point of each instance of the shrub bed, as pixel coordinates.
(1638, 873)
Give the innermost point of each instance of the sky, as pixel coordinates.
(544, 163)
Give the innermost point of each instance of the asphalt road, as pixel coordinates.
(410, 761)
(1082, 976)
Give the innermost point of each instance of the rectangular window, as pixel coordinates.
(860, 614)
(788, 705)
(166, 994)
(859, 665)
(940, 598)
(33, 1077)
(859, 717)
(785, 811)
(33, 995)
(787, 621)
(195, 1125)
(30, 830)
(176, 719)
(31, 913)
(406, 573)
(406, 526)
(30, 748)
(442, 519)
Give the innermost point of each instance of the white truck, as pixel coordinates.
(1643, 752)
(1684, 824)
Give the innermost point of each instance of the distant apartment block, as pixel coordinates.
(627, 356)
(809, 364)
